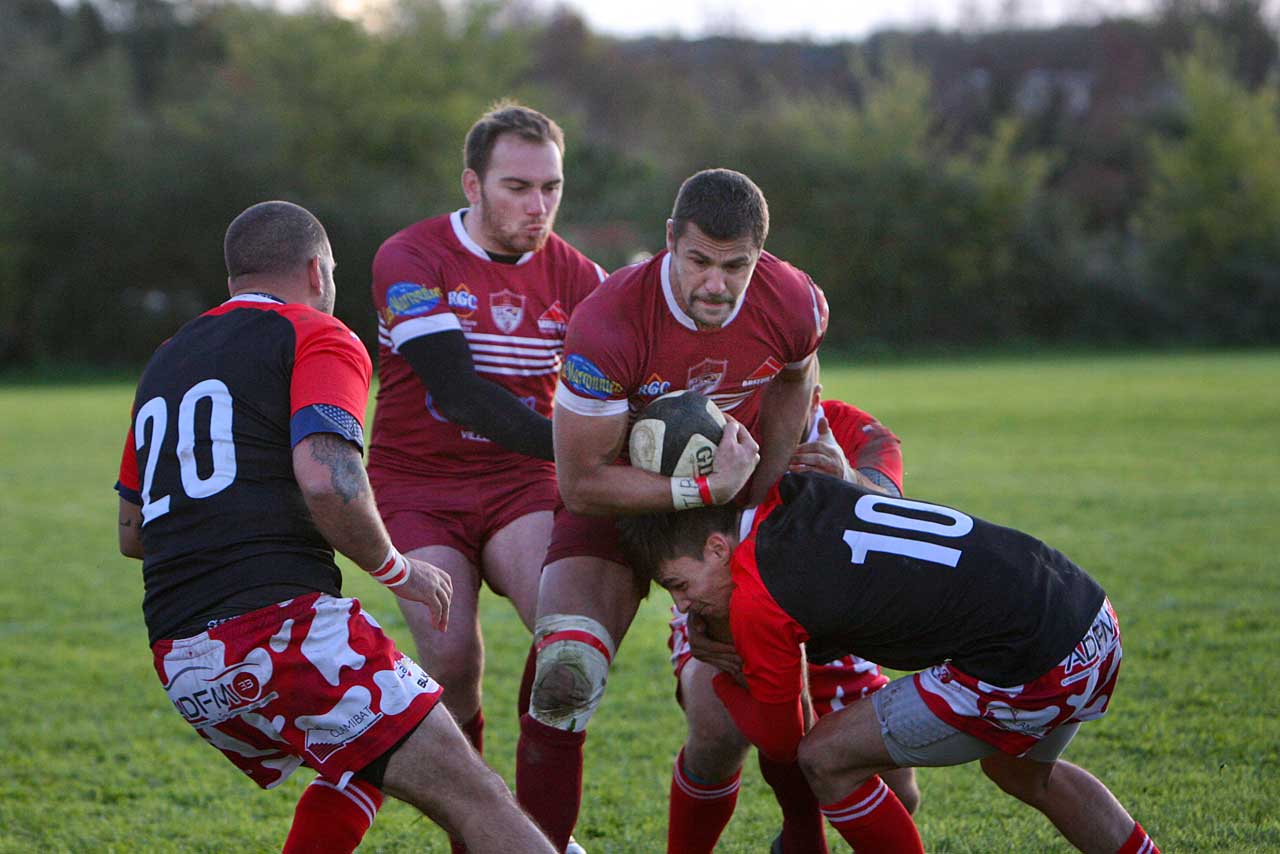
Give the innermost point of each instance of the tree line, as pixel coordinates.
(1110, 184)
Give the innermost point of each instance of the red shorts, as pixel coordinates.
(831, 686)
(1014, 718)
(461, 513)
(312, 681)
(584, 536)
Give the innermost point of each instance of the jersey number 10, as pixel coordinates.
(155, 413)
(860, 543)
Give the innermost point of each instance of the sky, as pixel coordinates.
(828, 20)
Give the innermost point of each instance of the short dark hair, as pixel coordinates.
(650, 540)
(724, 204)
(272, 237)
(506, 117)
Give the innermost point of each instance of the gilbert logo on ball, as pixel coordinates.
(676, 435)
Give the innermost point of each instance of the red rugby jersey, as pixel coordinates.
(631, 342)
(432, 277)
(866, 442)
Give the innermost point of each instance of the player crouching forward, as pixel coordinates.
(1015, 645)
(843, 441)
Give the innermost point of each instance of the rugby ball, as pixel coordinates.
(676, 435)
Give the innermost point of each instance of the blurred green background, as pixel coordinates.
(1112, 184)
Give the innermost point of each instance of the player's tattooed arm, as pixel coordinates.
(342, 459)
(330, 473)
(130, 529)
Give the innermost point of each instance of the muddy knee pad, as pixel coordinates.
(573, 658)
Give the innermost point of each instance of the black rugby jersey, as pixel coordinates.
(909, 584)
(209, 456)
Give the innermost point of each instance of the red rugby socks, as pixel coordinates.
(1138, 842)
(802, 829)
(698, 812)
(329, 820)
(549, 777)
(874, 821)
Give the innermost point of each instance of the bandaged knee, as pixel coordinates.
(573, 658)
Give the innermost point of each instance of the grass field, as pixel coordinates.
(1159, 474)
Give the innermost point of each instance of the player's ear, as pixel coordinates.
(471, 186)
(717, 548)
(671, 237)
(315, 275)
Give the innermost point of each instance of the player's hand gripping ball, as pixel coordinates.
(676, 435)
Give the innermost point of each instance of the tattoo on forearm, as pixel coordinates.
(346, 472)
(126, 523)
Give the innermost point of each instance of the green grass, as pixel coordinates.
(1159, 474)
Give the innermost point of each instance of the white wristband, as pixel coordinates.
(686, 494)
(394, 571)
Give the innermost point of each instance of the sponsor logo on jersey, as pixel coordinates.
(581, 375)
(507, 310)
(706, 376)
(410, 299)
(462, 301)
(769, 369)
(654, 386)
(553, 321)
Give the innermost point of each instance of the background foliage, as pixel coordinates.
(1116, 183)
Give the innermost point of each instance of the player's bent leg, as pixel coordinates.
(903, 783)
(706, 774)
(585, 605)
(843, 750)
(714, 748)
(454, 658)
(438, 772)
(1083, 810)
(512, 561)
(842, 757)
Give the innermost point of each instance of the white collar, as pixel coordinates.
(673, 305)
(255, 297)
(460, 232)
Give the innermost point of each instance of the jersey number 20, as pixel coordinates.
(155, 413)
(867, 509)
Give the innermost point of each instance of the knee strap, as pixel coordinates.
(573, 658)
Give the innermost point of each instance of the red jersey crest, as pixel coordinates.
(706, 376)
(507, 310)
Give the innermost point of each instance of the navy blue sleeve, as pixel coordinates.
(130, 495)
(325, 418)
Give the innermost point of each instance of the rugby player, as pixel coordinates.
(241, 474)
(472, 310)
(1015, 646)
(715, 313)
